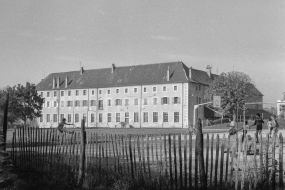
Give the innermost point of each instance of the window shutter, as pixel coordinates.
(162, 101)
(172, 100)
(179, 100)
(167, 100)
(71, 104)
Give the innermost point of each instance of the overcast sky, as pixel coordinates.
(41, 37)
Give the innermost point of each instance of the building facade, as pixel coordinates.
(153, 95)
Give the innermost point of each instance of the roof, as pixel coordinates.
(122, 76)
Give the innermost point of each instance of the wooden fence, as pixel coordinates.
(169, 161)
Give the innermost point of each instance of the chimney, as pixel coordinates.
(53, 82)
(209, 70)
(168, 74)
(81, 71)
(190, 73)
(113, 67)
(58, 82)
(66, 81)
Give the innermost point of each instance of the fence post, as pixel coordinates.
(5, 123)
(82, 153)
(280, 161)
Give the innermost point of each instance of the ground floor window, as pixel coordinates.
(84, 117)
(61, 117)
(118, 119)
(92, 118)
(155, 116)
(136, 117)
(100, 117)
(48, 117)
(145, 117)
(127, 117)
(76, 118)
(109, 117)
(165, 117)
(54, 117)
(69, 118)
(176, 117)
(41, 118)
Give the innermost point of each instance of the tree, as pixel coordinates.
(235, 88)
(29, 103)
(24, 102)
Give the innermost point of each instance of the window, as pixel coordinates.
(68, 118)
(100, 104)
(61, 117)
(154, 89)
(144, 89)
(145, 101)
(108, 91)
(175, 88)
(54, 117)
(200, 100)
(126, 102)
(196, 88)
(69, 93)
(155, 116)
(48, 104)
(176, 117)
(135, 90)
(117, 91)
(100, 117)
(77, 92)
(118, 102)
(136, 117)
(199, 87)
(84, 92)
(145, 117)
(54, 103)
(62, 104)
(93, 103)
(41, 118)
(76, 118)
(69, 103)
(84, 117)
(117, 117)
(165, 117)
(92, 92)
(109, 102)
(77, 103)
(100, 91)
(154, 101)
(127, 117)
(164, 100)
(92, 118)
(197, 100)
(176, 100)
(48, 117)
(54, 93)
(164, 89)
(61, 93)
(42, 94)
(47, 94)
(109, 117)
(126, 90)
(136, 101)
(84, 103)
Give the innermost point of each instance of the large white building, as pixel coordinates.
(152, 95)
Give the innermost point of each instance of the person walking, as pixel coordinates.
(245, 129)
(61, 126)
(270, 125)
(258, 122)
(275, 128)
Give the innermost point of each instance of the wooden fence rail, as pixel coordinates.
(164, 160)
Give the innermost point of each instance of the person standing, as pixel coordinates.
(270, 125)
(245, 129)
(275, 129)
(258, 122)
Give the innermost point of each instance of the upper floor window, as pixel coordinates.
(164, 88)
(54, 93)
(62, 93)
(48, 104)
(136, 101)
(69, 93)
(145, 101)
(154, 89)
(108, 91)
(118, 102)
(164, 100)
(84, 103)
(69, 103)
(176, 100)
(100, 91)
(100, 104)
(154, 101)
(47, 94)
(42, 94)
(92, 92)
(55, 104)
(84, 92)
(109, 102)
(117, 91)
(175, 88)
(126, 102)
(93, 103)
(126, 90)
(135, 90)
(77, 92)
(77, 103)
(144, 89)
(199, 87)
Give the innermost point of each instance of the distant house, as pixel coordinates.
(151, 95)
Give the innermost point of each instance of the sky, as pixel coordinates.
(42, 37)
